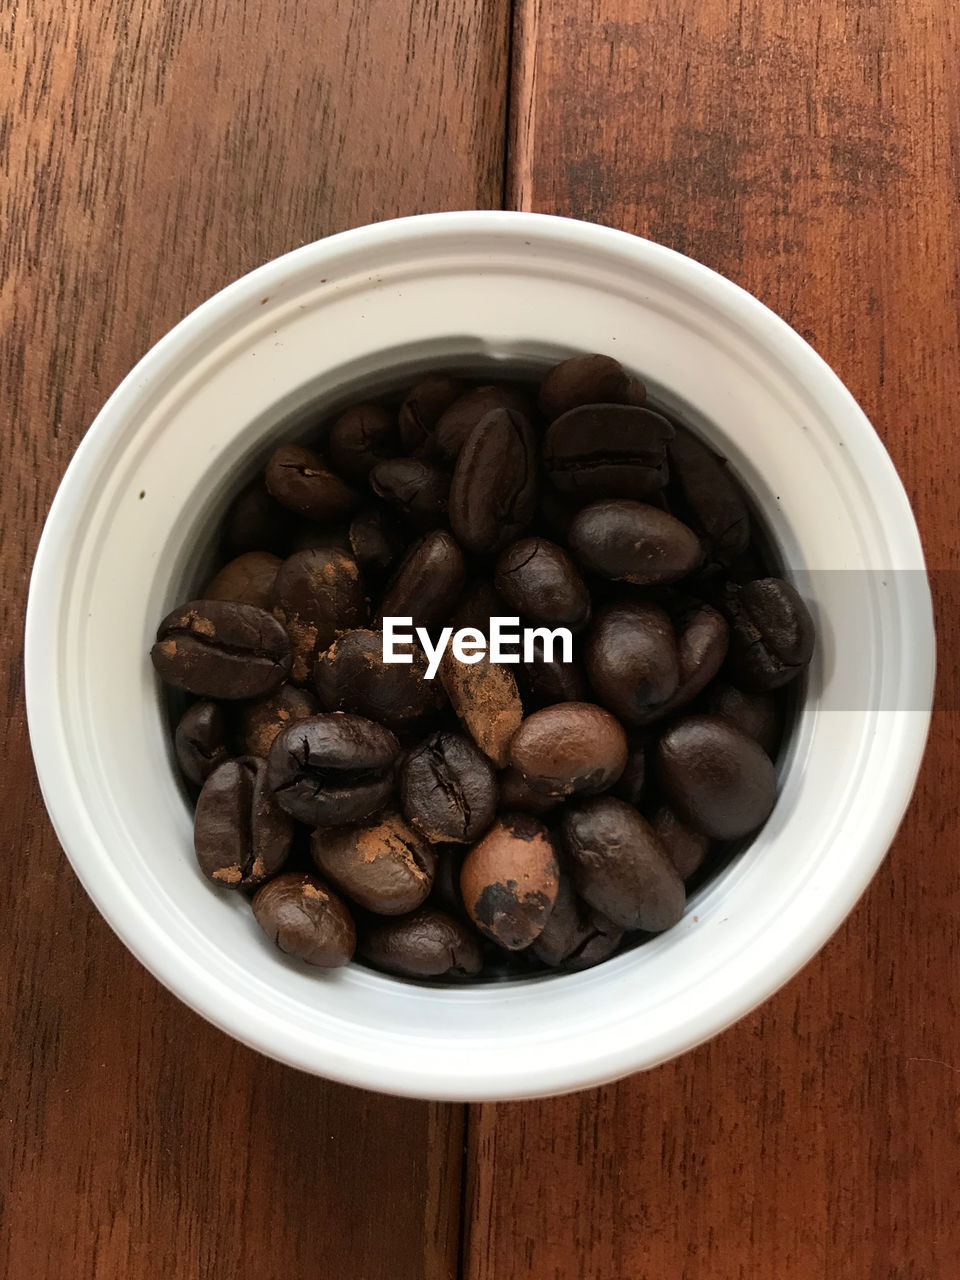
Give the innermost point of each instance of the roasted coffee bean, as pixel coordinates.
(333, 769)
(486, 698)
(306, 919)
(493, 494)
(428, 582)
(707, 495)
(352, 676)
(423, 406)
(550, 680)
(592, 379)
(426, 944)
(448, 789)
(517, 794)
(375, 541)
(362, 436)
(256, 522)
(572, 748)
(509, 881)
(702, 641)
(687, 848)
(755, 713)
(258, 723)
(417, 489)
(383, 865)
(620, 867)
(221, 650)
(720, 782)
(240, 834)
(631, 784)
(201, 740)
(307, 535)
(317, 594)
(607, 451)
(247, 579)
(457, 422)
(541, 582)
(772, 633)
(301, 481)
(633, 542)
(575, 936)
(631, 659)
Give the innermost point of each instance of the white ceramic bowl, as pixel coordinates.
(125, 540)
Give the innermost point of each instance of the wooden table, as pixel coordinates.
(152, 150)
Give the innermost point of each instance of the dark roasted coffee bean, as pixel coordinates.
(423, 406)
(306, 919)
(352, 676)
(255, 522)
(575, 936)
(428, 582)
(201, 740)
(550, 680)
(509, 881)
(633, 542)
(456, 422)
(301, 481)
(631, 659)
(417, 489)
(493, 494)
(383, 865)
(707, 495)
(333, 769)
(317, 594)
(572, 748)
(247, 579)
(620, 867)
(631, 784)
(375, 541)
(755, 713)
(307, 535)
(687, 848)
(426, 944)
(720, 782)
(221, 650)
(517, 794)
(588, 379)
(240, 834)
(607, 451)
(542, 583)
(258, 723)
(362, 436)
(448, 789)
(772, 633)
(702, 641)
(486, 698)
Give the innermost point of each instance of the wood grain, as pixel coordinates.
(810, 152)
(151, 151)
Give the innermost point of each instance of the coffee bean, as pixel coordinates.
(686, 848)
(306, 919)
(574, 747)
(633, 542)
(720, 782)
(240, 834)
(575, 936)
(588, 379)
(332, 769)
(547, 681)
(607, 451)
(428, 582)
(352, 676)
(457, 422)
(541, 582)
(631, 659)
(316, 595)
(509, 881)
(221, 650)
(486, 698)
(416, 489)
(707, 495)
(247, 579)
(301, 481)
(620, 867)
(754, 713)
(493, 494)
(426, 944)
(517, 794)
(375, 541)
(448, 789)
(631, 784)
(772, 633)
(702, 641)
(201, 740)
(383, 864)
(362, 436)
(258, 723)
(423, 406)
(255, 522)
(307, 535)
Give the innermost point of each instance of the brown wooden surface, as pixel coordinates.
(151, 151)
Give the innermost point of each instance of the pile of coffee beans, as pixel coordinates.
(456, 816)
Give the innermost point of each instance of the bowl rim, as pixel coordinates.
(67, 812)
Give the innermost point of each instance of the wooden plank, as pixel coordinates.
(809, 151)
(149, 153)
